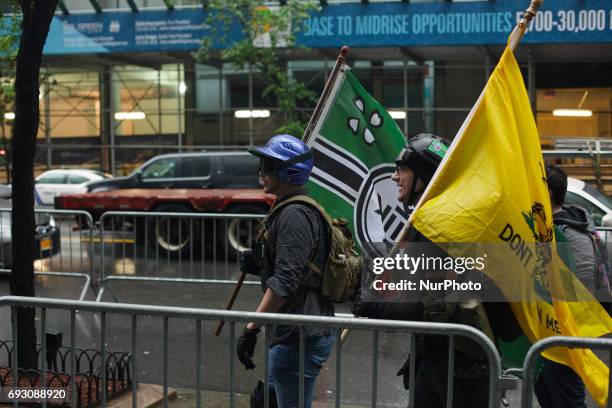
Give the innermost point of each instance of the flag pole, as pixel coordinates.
(513, 41)
(325, 95)
(230, 302)
(521, 27)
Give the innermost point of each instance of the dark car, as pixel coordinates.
(234, 169)
(47, 233)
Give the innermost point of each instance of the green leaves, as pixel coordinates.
(267, 31)
(10, 31)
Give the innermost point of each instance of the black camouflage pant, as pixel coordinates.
(431, 385)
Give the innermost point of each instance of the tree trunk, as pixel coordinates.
(37, 16)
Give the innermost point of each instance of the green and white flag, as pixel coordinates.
(355, 144)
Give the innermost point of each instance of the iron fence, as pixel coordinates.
(197, 316)
(86, 371)
(170, 247)
(173, 247)
(53, 228)
(559, 341)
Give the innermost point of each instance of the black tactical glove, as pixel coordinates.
(404, 372)
(248, 263)
(437, 309)
(361, 309)
(246, 347)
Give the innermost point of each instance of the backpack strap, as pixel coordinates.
(302, 199)
(275, 210)
(596, 257)
(311, 202)
(601, 260)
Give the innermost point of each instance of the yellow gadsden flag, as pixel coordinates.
(491, 189)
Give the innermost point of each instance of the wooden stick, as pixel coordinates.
(230, 301)
(316, 116)
(345, 334)
(325, 95)
(521, 27)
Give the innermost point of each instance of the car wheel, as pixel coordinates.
(236, 234)
(172, 236)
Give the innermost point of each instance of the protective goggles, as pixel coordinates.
(270, 167)
(403, 161)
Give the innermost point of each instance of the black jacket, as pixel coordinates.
(576, 224)
(297, 234)
(470, 358)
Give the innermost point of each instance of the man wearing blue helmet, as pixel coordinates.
(291, 238)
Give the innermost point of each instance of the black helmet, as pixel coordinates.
(423, 154)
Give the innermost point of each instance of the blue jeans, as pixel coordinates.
(284, 360)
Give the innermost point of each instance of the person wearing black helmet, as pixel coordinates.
(416, 166)
(292, 238)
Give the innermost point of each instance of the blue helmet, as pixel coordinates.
(287, 157)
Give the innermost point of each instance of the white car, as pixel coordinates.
(53, 183)
(593, 200)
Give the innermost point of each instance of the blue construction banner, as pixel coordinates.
(158, 30)
(452, 23)
(354, 24)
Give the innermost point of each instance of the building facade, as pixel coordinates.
(120, 83)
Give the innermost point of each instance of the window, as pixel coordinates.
(73, 103)
(161, 168)
(52, 179)
(74, 179)
(196, 166)
(604, 199)
(103, 175)
(592, 102)
(154, 93)
(575, 199)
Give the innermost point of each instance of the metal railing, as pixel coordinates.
(139, 246)
(173, 247)
(51, 260)
(197, 316)
(572, 154)
(559, 341)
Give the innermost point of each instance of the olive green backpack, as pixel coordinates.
(340, 276)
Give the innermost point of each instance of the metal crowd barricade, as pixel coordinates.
(267, 319)
(559, 341)
(605, 234)
(173, 247)
(77, 263)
